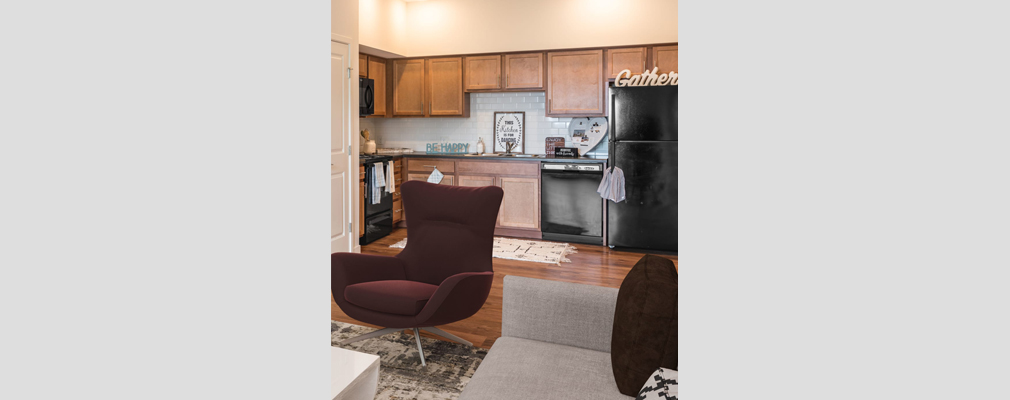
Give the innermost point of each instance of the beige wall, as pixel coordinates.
(435, 27)
(383, 24)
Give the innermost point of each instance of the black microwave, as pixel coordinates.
(366, 96)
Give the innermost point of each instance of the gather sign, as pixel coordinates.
(647, 78)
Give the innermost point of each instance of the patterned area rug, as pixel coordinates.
(524, 250)
(401, 376)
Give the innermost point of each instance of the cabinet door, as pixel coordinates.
(483, 72)
(631, 59)
(665, 57)
(408, 88)
(445, 86)
(377, 73)
(476, 181)
(520, 208)
(575, 83)
(362, 65)
(524, 71)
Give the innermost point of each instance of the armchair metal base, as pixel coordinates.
(417, 335)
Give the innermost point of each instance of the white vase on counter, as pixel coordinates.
(368, 147)
(480, 146)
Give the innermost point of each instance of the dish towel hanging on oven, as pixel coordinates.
(612, 186)
(378, 182)
(390, 179)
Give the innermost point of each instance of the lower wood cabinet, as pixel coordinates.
(519, 215)
(477, 181)
(520, 208)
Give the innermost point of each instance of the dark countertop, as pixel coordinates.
(502, 158)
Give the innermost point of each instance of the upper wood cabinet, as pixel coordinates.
(362, 66)
(664, 57)
(524, 71)
(633, 59)
(408, 88)
(483, 72)
(445, 87)
(575, 83)
(377, 73)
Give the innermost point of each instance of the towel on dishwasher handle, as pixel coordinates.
(612, 186)
(378, 182)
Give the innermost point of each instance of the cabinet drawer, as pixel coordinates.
(397, 211)
(427, 165)
(499, 168)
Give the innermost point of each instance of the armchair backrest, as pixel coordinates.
(450, 229)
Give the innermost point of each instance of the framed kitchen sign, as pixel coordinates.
(510, 132)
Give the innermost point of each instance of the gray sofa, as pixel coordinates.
(555, 344)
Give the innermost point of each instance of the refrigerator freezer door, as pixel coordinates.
(647, 219)
(644, 113)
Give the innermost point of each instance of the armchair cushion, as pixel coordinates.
(391, 297)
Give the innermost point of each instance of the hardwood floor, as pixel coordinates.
(592, 265)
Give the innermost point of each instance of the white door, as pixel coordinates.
(340, 117)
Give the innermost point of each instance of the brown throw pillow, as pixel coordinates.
(645, 323)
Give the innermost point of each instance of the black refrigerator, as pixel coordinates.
(643, 144)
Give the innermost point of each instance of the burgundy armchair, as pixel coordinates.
(444, 273)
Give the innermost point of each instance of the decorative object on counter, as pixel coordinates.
(480, 145)
(566, 152)
(586, 133)
(553, 142)
(510, 132)
(436, 176)
(647, 78)
(447, 148)
(524, 250)
(368, 145)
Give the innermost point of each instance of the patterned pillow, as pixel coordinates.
(661, 386)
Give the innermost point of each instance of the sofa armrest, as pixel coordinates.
(558, 312)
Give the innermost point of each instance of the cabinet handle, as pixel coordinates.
(428, 166)
(549, 105)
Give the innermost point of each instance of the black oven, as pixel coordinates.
(366, 97)
(378, 212)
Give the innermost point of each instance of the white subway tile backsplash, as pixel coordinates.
(415, 133)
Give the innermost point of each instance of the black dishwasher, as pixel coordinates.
(570, 208)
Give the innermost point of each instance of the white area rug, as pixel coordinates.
(524, 250)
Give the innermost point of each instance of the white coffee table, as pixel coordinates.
(353, 375)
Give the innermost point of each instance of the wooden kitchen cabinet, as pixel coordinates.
(524, 71)
(520, 208)
(444, 87)
(483, 73)
(409, 99)
(633, 59)
(362, 66)
(575, 83)
(664, 57)
(377, 73)
(476, 181)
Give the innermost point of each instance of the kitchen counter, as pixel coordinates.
(542, 158)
